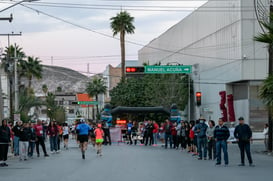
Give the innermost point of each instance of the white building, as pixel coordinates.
(217, 39)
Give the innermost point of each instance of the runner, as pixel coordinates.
(65, 135)
(99, 139)
(83, 130)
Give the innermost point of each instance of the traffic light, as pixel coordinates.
(198, 98)
(74, 102)
(134, 70)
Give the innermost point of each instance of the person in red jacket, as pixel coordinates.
(53, 133)
(191, 137)
(155, 133)
(40, 140)
(174, 136)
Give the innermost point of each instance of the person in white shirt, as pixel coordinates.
(65, 135)
(265, 133)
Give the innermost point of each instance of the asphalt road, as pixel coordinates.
(134, 163)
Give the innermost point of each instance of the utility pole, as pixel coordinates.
(10, 76)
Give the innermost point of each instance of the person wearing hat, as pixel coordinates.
(243, 134)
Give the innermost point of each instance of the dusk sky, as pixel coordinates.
(74, 33)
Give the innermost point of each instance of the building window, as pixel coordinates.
(61, 102)
(71, 111)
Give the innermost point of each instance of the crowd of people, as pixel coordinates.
(22, 138)
(204, 140)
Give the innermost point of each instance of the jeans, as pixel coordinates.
(31, 147)
(245, 147)
(53, 143)
(212, 149)
(155, 138)
(202, 147)
(16, 145)
(170, 138)
(221, 144)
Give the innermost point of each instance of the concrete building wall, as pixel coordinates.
(217, 39)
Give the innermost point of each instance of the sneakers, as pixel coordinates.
(218, 164)
(241, 165)
(46, 155)
(83, 156)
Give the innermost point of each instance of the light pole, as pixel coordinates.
(15, 4)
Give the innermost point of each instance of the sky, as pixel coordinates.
(75, 33)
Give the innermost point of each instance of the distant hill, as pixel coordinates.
(69, 80)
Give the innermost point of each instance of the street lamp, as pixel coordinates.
(15, 4)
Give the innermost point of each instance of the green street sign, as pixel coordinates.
(178, 69)
(88, 102)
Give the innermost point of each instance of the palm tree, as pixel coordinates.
(94, 88)
(31, 68)
(7, 64)
(265, 94)
(122, 23)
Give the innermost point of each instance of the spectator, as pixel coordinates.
(174, 135)
(211, 140)
(10, 125)
(155, 133)
(52, 132)
(221, 134)
(149, 131)
(24, 140)
(265, 133)
(201, 130)
(168, 136)
(107, 135)
(4, 143)
(16, 131)
(161, 133)
(39, 130)
(60, 137)
(243, 134)
(192, 148)
(32, 140)
(129, 132)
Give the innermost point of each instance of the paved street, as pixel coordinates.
(134, 163)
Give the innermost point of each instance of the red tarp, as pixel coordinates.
(222, 105)
(231, 112)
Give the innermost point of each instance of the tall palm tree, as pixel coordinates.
(31, 68)
(122, 23)
(94, 88)
(267, 38)
(7, 64)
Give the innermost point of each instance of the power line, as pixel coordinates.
(109, 36)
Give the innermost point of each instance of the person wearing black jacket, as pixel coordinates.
(221, 135)
(24, 140)
(4, 143)
(243, 134)
(32, 140)
(149, 128)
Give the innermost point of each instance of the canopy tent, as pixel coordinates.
(121, 109)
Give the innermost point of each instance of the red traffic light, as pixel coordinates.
(131, 69)
(198, 94)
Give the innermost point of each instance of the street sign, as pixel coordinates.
(87, 102)
(178, 69)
